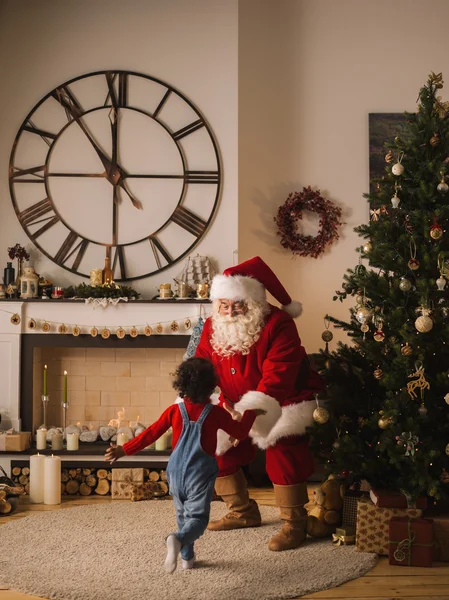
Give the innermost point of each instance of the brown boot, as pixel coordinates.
(291, 500)
(244, 512)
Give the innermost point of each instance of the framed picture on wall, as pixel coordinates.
(383, 128)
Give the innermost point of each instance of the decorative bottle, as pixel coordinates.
(107, 271)
(9, 274)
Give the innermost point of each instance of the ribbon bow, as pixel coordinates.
(375, 213)
(404, 547)
(340, 539)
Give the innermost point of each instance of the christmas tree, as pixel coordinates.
(388, 391)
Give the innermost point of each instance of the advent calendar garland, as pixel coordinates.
(292, 209)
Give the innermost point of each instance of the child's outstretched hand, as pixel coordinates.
(113, 453)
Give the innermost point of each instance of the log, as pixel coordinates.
(72, 486)
(91, 481)
(10, 490)
(85, 490)
(16, 471)
(2, 495)
(63, 488)
(109, 475)
(102, 474)
(64, 475)
(23, 479)
(25, 471)
(72, 473)
(103, 487)
(154, 476)
(163, 475)
(87, 472)
(5, 507)
(163, 487)
(27, 489)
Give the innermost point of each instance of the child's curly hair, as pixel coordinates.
(195, 379)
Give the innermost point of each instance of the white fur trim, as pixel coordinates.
(223, 443)
(294, 309)
(294, 420)
(215, 399)
(237, 287)
(263, 423)
(179, 400)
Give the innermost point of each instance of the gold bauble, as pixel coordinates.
(436, 233)
(406, 350)
(378, 373)
(383, 423)
(434, 140)
(367, 247)
(424, 324)
(389, 157)
(447, 450)
(320, 415)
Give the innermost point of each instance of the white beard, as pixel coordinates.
(238, 334)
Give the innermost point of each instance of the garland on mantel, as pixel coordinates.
(162, 327)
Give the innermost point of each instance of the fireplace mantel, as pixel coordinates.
(136, 313)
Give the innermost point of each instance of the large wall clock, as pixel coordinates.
(117, 163)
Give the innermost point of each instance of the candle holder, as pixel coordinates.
(45, 401)
(65, 406)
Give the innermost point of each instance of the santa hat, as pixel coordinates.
(249, 281)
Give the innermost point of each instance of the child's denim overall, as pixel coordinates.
(191, 474)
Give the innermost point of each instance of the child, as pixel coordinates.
(192, 468)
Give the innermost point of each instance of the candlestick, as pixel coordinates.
(41, 438)
(45, 380)
(52, 480)
(65, 406)
(45, 401)
(57, 441)
(72, 441)
(65, 387)
(122, 438)
(37, 465)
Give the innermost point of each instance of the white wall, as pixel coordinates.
(190, 45)
(310, 72)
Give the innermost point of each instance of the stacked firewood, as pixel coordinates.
(88, 481)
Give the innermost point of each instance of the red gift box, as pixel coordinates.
(410, 542)
(395, 499)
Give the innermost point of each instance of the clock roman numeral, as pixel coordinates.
(188, 129)
(119, 257)
(69, 103)
(69, 248)
(189, 221)
(157, 248)
(19, 175)
(45, 135)
(35, 215)
(201, 177)
(161, 104)
(122, 98)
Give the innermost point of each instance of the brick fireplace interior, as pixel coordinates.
(133, 375)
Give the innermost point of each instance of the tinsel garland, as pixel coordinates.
(292, 209)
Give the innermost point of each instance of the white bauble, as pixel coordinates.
(362, 315)
(397, 169)
(395, 201)
(443, 187)
(441, 284)
(423, 324)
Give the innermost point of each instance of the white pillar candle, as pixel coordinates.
(41, 439)
(72, 441)
(57, 441)
(52, 480)
(122, 438)
(37, 465)
(162, 442)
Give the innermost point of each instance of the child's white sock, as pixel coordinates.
(173, 549)
(188, 564)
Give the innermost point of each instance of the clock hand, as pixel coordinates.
(137, 203)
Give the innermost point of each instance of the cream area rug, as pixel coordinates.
(117, 550)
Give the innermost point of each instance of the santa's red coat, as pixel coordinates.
(275, 376)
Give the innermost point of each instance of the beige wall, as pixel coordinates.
(310, 72)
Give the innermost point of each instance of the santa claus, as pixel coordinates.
(261, 364)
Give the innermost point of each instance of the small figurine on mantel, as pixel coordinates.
(196, 277)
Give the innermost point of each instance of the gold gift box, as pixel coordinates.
(15, 442)
(123, 481)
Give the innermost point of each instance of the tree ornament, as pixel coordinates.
(336, 445)
(424, 323)
(159, 328)
(364, 328)
(360, 269)
(442, 187)
(45, 327)
(398, 168)
(62, 329)
(133, 332)
(15, 319)
(447, 450)
(395, 201)
(105, 333)
(389, 157)
(120, 333)
(327, 336)
(446, 398)
(76, 331)
(436, 231)
(94, 332)
(187, 324)
(292, 211)
(363, 315)
(174, 327)
(434, 140)
(383, 422)
(419, 383)
(31, 324)
(375, 214)
(405, 285)
(379, 335)
(413, 263)
(148, 331)
(378, 373)
(406, 350)
(367, 247)
(320, 415)
(422, 411)
(410, 441)
(441, 283)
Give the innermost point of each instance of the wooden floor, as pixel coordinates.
(384, 582)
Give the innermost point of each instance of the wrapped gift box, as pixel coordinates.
(123, 481)
(14, 442)
(440, 533)
(349, 517)
(395, 499)
(373, 523)
(410, 542)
